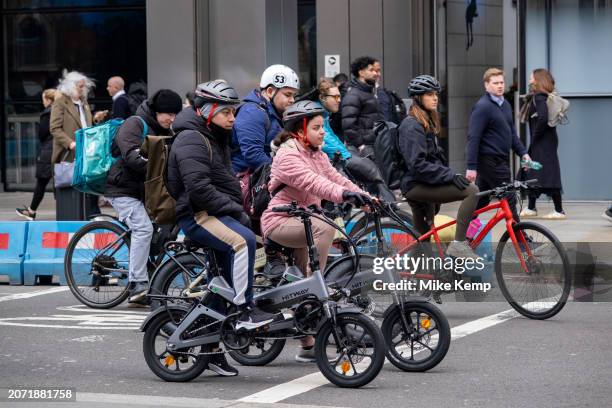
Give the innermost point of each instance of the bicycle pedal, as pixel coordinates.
(113, 281)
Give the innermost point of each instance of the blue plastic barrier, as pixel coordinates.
(46, 246)
(12, 249)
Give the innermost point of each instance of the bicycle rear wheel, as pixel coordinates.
(540, 291)
(96, 264)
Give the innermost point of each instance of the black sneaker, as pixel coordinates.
(26, 213)
(252, 318)
(275, 266)
(218, 363)
(608, 214)
(139, 292)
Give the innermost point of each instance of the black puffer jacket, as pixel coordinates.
(44, 170)
(359, 112)
(196, 182)
(127, 176)
(423, 158)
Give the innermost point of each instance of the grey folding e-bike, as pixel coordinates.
(349, 346)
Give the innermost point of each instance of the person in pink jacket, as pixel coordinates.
(301, 172)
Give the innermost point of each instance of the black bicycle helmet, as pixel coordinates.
(216, 92)
(302, 109)
(423, 84)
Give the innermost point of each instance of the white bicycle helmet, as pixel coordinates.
(279, 76)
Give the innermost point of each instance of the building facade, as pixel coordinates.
(176, 44)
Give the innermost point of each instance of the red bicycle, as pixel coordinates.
(531, 264)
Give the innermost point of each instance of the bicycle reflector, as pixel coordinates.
(426, 323)
(346, 366)
(169, 360)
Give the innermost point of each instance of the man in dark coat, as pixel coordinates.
(491, 136)
(360, 107)
(125, 182)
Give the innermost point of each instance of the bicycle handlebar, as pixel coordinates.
(507, 188)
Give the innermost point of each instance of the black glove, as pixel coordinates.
(356, 198)
(461, 182)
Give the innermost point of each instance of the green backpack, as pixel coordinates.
(158, 201)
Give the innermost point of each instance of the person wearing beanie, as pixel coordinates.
(125, 182)
(209, 199)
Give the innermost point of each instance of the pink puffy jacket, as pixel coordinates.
(308, 177)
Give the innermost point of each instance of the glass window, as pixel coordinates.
(39, 46)
(307, 39)
(31, 4)
(535, 32)
(581, 50)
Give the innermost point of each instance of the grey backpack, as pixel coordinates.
(557, 109)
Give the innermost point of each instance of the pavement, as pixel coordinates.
(496, 358)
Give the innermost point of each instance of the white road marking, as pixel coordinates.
(85, 318)
(311, 381)
(33, 294)
(147, 400)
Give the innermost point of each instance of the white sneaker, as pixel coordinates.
(461, 249)
(527, 213)
(555, 216)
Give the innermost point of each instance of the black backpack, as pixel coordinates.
(387, 153)
(136, 94)
(398, 108)
(259, 196)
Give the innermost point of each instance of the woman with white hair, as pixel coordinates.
(71, 112)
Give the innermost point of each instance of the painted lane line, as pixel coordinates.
(183, 402)
(17, 296)
(311, 381)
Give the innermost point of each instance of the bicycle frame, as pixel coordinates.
(504, 213)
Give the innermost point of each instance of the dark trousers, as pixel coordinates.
(39, 192)
(493, 171)
(423, 197)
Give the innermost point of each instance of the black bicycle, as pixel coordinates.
(97, 260)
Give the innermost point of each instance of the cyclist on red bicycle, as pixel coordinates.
(428, 180)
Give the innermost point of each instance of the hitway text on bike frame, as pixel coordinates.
(413, 264)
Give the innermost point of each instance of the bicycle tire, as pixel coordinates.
(70, 272)
(402, 240)
(162, 279)
(371, 335)
(262, 359)
(364, 222)
(390, 332)
(152, 359)
(565, 277)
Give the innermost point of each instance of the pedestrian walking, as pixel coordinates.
(44, 170)
(543, 146)
(491, 137)
(69, 113)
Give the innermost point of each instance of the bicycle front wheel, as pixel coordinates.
(541, 288)
(96, 264)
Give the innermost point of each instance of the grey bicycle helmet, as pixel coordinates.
(214, 96)
(302, 109)
(423, 84)
(217, 91)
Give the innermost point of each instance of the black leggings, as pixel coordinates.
(554, 194)
(423, 197)
(39, 192)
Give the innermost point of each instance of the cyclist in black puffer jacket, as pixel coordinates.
(209, 200)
